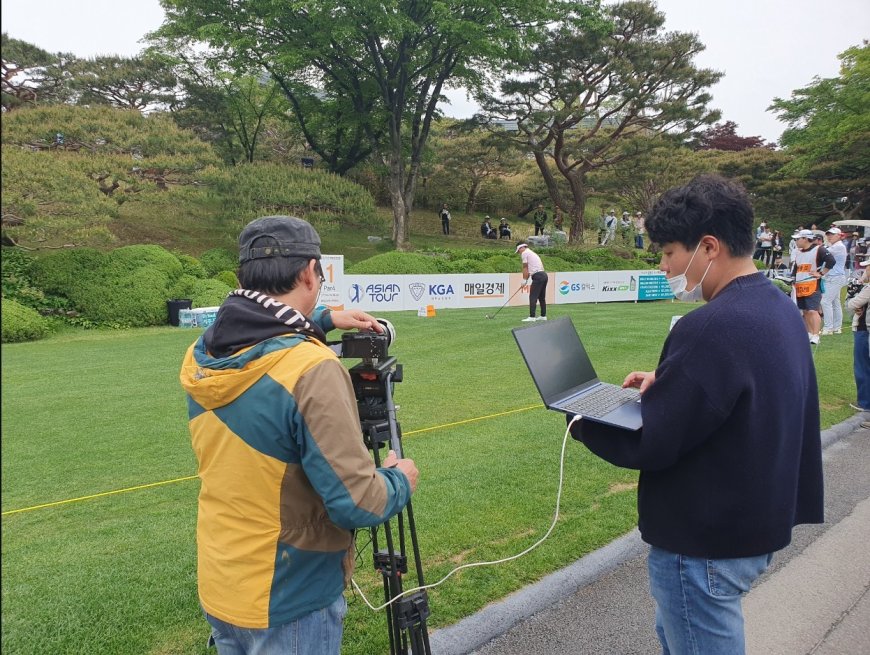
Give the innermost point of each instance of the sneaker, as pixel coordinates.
(529, 319)
(814, 339)
(542, 318)
(838, 331)
(827, 333)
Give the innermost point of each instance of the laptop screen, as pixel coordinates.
(555, 357)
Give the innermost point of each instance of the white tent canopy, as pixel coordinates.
(853, 222)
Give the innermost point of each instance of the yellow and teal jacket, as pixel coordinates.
(284, 473)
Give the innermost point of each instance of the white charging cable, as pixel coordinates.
(498, 561)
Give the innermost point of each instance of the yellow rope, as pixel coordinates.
(193, 477)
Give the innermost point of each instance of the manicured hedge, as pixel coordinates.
(20, 323)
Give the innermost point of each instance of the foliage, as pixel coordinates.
(590, 84)
(139, 83)
(131, 258)
(229, 278)
(209, 293)
(396, 263)
(191, 265)
(20, 323)
(829, 135)
(362, 76)
(723, 136)
(31, 75)
(219, 259)
(17, 278)
(68, 192)
(259, 189)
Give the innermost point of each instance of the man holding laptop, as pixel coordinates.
(729, 463)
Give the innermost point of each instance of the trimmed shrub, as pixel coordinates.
(183, 287)
(209, 293)
(191, 266)
(135, 299)
(469, 266)
(20, 323)
(62, 271)
(229, 278)
(132, 258)
(503, 264)
(17, 276)
(219, 259)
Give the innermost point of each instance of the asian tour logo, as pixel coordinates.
(375, 292)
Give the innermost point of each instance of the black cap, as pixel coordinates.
(278, 236)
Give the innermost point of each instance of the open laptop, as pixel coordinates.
(567, 380)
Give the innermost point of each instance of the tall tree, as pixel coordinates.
(829, 135)
(31, 75)
(582, 91)
(141, 83)
(382, 66)
(723, 136)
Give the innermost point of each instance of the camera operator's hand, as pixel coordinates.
(406, 466)
(355, 319)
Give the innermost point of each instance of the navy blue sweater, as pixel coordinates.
(730, 450)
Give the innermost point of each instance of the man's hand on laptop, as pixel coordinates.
(639, 380)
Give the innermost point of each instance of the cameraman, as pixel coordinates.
(285, 475)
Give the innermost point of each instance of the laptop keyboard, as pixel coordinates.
(602, 401)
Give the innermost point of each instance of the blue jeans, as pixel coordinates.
(698, 609)
(317, 633)
(861, 358)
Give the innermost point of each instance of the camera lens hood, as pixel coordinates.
(389, 330)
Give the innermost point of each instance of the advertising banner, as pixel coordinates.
(617, 285)
(653, 286)
(374, 293)
(522, 298)
(576, 287)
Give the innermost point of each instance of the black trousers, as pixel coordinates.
(538, 293)
(445, 225)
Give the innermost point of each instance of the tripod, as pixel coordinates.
(406, 617)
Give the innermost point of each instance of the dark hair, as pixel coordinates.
(273, 275)
(709, 204)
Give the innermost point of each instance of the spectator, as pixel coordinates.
(777, 246)
(285, 474)
(856, 303)
(758, 232)
(765, 246)
(809, 263)
(557, 219)
(625, 229)
(534, 274)
(835, 280)
(602, 227)
(445, 219)
(610, 222)
(638, 230)
(487, 231)
(540, 217)
(729, 463)
(504, 229)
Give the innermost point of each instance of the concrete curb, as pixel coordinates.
(495, 619)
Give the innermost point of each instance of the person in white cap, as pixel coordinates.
(835, 280)
(857, 306)
(810, 262)
(534, 274)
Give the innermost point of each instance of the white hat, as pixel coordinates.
(521, 245)
(834, 230)
(803, 234)
(866, 262)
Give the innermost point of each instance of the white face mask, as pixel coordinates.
(678, 282)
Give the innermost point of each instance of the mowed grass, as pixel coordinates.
(92, 412)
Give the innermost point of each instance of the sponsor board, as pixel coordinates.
(374, 293)
(653, 286)
(522, 298)
(577, 287)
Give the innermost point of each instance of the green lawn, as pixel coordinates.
(90, 412)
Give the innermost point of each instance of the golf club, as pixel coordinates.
(506, 302)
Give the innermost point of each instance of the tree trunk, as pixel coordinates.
(472, 197)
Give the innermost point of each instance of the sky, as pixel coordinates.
(766, 48)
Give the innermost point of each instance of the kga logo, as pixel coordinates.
(383, 292)
(417, 289)
(440, 289)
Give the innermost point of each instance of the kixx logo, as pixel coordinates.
(417, 289)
